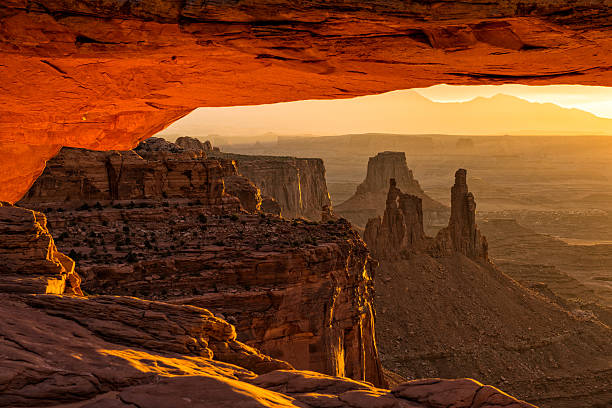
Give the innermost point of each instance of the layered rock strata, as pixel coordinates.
(31, 262)
(113, 351)
(78, 176)
(370, 197)
(236, 184)
(385, 166)
(299, 291)
(297, 184)
(194, 144)
(155, 170)
(122, 362)
(113, 73)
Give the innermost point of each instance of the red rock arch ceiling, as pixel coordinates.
(106, 74)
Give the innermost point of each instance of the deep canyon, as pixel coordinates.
(159, 274)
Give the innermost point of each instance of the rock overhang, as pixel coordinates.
(105, 75)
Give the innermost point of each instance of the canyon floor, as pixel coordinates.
(163, 228)
(543, 204)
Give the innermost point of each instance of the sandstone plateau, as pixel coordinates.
(370, 196)
(156, 223)
(296, 184)
(112, 73)
(443, 307)
(110, 351)
(70, 350)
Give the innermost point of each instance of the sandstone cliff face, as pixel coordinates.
(113, 73)
(156, 170)
(30, 261)
(298, 185)
(193, 144)
(370, 198)
(75, 176)
(299, 291)
(385, 166)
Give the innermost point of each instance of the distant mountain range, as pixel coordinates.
(405, 112)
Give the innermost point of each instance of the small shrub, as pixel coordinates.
(131, 257)
(74, 255)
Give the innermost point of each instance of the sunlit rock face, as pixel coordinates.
(114, 351)
(298, 290)
(298, 185)
(104, 75)
(153, 355)
(31, 262)
(77, 176)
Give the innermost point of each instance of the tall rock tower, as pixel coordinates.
(401, 227)
(462, 234)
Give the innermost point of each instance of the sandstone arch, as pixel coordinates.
(105, 75)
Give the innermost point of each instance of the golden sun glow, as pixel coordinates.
(474, 110)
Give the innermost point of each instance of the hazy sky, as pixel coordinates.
(594, 99)
(408, 111)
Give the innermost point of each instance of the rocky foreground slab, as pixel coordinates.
(68, 350)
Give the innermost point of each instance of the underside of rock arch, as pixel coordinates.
(107, 74)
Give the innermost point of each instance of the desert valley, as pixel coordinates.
(221, 204)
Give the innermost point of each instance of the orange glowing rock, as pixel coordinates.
(105, 76)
